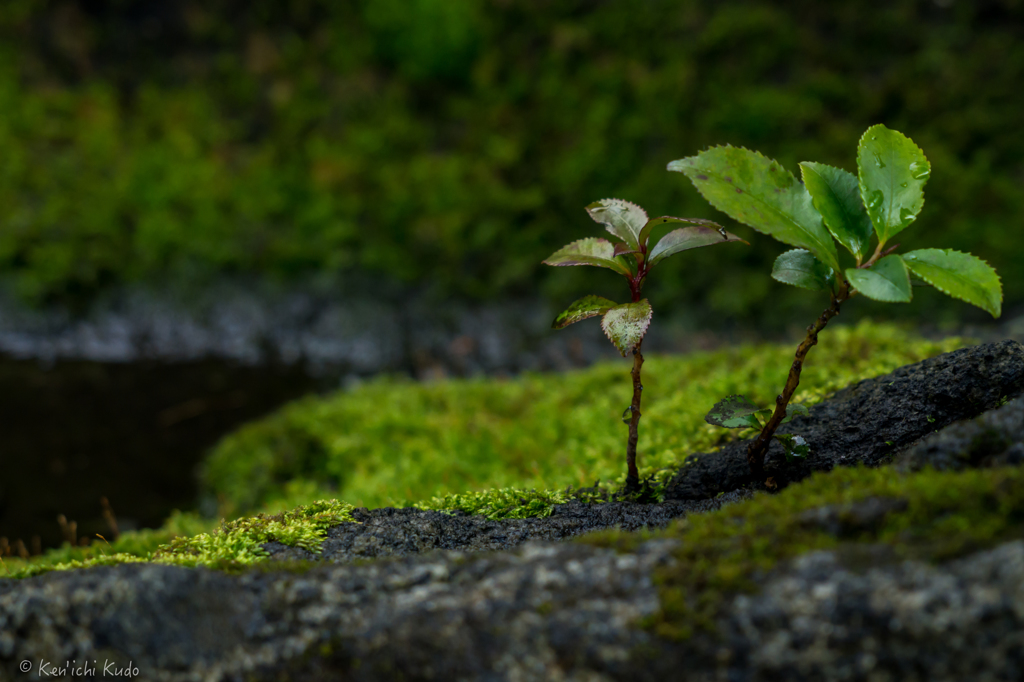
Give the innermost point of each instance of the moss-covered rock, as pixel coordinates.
(853, 573)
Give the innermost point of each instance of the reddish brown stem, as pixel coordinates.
(632, 474)
(759, 448)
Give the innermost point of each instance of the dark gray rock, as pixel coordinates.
(542, 612)
(867, 423)
(996, 438)
(399, 532)
(818, 620)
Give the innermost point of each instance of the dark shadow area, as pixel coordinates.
(78, 431)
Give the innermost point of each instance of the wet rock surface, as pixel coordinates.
(994, 438)
(872, 420)
(568, 610)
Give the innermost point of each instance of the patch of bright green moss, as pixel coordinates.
(948, 514)
(392, 442)
(505, 503)
(231, 546)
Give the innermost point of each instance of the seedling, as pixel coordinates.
(884, 197)
(625, 324)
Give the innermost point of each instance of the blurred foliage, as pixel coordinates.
(395, 442)
(456, 141)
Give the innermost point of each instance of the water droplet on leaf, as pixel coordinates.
(907, 216)
(919, 170)
(627, 416)
(878, 160)
(903, 184)
(876, 199)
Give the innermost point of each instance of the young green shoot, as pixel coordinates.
(831, 205)
(631, 256)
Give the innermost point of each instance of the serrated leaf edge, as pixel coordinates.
(825, 222)
(847, 272)
(799, 286)
(999, 280)
(636, 234)
(650, 315)
(600, 239)
(594, 313)
(860, 185)
(770, 160)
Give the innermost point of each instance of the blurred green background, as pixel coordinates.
(454, 142)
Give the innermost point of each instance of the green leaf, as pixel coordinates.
(590, 251)
(757, 191)
(801, 269)
(622, 218)
(794, 410)
(960, 275)
(892, 171)
(626, 324)
(887, 280)
(836, 195)
(736, 412)
(688, 238)
(588, 306)
(795, 446)
(671, 220)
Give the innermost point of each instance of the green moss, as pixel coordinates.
(502, 503)
(394, 442)
(720, 553)
(231, 546)
(238, 542)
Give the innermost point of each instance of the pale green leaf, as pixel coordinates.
(801, 269)
(590, 251)
(960, 275)
(757, 191)
(794, 410)
(794, 446)
(892, 171)
(622, 218)
(688, 238)
(588, 306)
(887, 280)
(626, 324)
(836, 195)
(736, 412)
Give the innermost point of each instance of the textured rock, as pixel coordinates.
(992, 439)
(399, 532)
(909, 622)
(543, 612)
(867, 423)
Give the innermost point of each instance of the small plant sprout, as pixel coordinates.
(625, 324)
(884, 198)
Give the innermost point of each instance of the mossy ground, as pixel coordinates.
(947, 515)
(392, 442)
(500, 448)
(187, 540)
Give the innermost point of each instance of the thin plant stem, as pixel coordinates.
(632, 474)
(759, 448)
